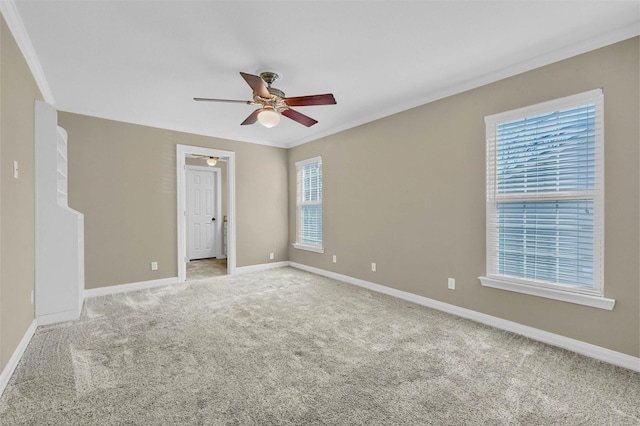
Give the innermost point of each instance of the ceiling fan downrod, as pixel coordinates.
(270, 77)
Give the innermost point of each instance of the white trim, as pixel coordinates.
(181, 152)
(301, 163)
(583, 348)
(317, 249)
(125, 288)
(17, 355)
(260, 267)
(58, 317)
(549, 293)
(16, 25)
(598, 42)
(591, 96)
(593, 296)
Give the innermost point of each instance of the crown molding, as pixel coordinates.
(16, 26)
(539, 61)
(14, 21)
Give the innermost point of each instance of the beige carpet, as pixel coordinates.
(285, 347)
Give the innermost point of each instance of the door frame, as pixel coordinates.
(217, 188)
(181, 189)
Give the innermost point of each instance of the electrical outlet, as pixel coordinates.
(335, 259)
(373, 267)
(272, 256)
(451, 283)
(154, 266)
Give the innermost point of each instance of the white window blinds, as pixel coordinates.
(545, 194)
(309, 204)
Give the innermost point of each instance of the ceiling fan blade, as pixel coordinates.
(299, 117)
(252, 118)
(326, 99)
(222, 100)
(256, 84)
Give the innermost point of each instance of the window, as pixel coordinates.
(545, 190)
(309, 205)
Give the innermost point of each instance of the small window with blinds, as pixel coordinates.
(309, 205)
(545, 190)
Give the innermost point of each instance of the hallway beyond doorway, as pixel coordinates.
(206, 268)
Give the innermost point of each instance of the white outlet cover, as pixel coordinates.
(335, 258)
(15, 169)
(373, 267)
(154, 266)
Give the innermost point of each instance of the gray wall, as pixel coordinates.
(408, 192)
(123, 178)
(18, 93)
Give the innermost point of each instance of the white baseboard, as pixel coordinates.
(260, 267)
(124, 288)
(17, 355)
(58, 317)
(583, 348)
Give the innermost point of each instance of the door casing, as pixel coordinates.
(181, 154)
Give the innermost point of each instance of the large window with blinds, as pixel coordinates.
(309, 205)
(545, 185)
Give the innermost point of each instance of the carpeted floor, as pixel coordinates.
(285, 347)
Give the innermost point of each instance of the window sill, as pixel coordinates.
(316, 249)
(565, 296)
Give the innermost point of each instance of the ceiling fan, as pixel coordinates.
(273, 102)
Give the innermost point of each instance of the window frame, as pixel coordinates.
(317, 248)
(565, 292)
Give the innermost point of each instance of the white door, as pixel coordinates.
(201, 208)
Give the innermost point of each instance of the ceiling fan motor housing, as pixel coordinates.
(276, 92)
(274, 102)
(270, 77)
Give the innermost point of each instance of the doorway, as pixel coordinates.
(206, 220)
(225, 230)
(203, 212)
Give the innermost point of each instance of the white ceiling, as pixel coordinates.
(143, 61)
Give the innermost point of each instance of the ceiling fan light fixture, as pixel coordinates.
(273, 102)
(212, 161)
(268, 117)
